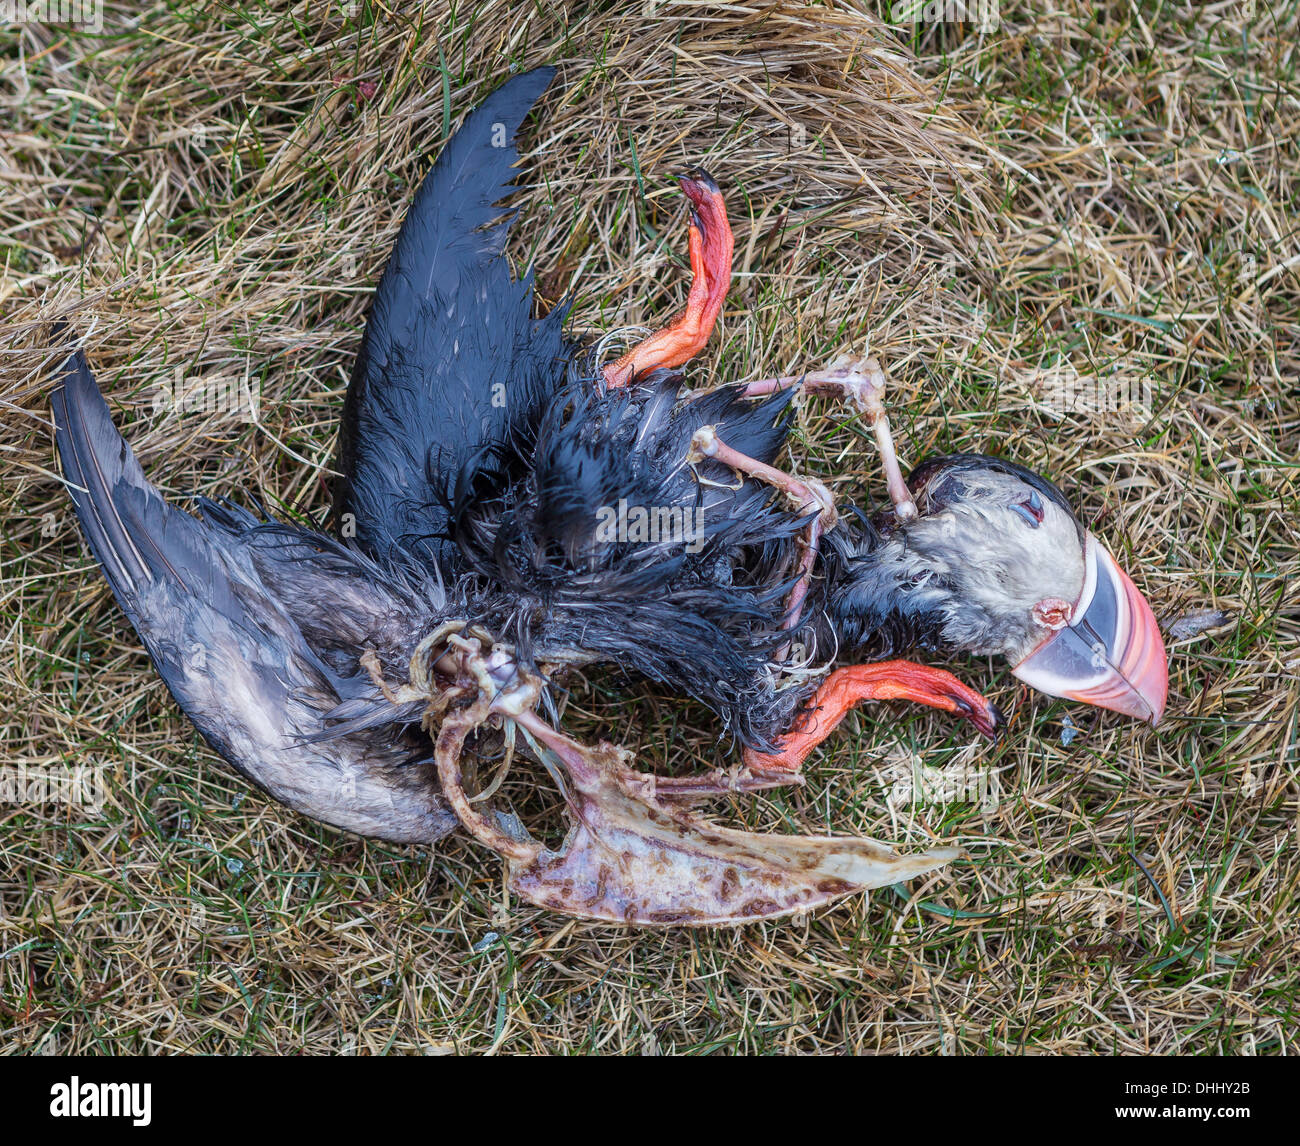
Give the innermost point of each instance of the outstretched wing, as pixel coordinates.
(452, 366)
(241, 622)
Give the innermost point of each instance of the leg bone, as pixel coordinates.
(806, 494)
(862, 384)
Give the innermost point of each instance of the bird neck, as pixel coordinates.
(882, 599)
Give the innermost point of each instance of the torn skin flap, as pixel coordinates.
(636, 860)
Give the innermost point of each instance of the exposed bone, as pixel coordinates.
(862, 383)
(719, 782)
(503, 769)
(637, 854)
(633, 858)
(805, 494)
(447, 750)
(403, 694)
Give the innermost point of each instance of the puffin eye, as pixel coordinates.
(1031, 509)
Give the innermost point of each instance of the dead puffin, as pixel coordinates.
(481, 452)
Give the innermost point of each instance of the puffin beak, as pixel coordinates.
(1110, 653)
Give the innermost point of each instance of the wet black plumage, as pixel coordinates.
(453, 368)
(464, 507)
(471, 437)
(700, 608)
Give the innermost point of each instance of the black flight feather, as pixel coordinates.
(452, 360)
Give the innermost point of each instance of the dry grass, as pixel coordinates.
(1074, 196)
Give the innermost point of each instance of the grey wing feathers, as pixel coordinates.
(208, 599)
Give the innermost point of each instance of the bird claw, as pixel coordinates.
(710, 244)
(884, 680)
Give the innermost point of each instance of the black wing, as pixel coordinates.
(242, 621)
(452, 368)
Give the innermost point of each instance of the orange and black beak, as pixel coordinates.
(1109, 653)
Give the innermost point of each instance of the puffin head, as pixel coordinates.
(997, 563)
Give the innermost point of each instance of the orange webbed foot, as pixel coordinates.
(711, 245)
(887, 680)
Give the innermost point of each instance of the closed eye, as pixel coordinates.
(1031, 509)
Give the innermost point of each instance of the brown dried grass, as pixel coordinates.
(1087, 191)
